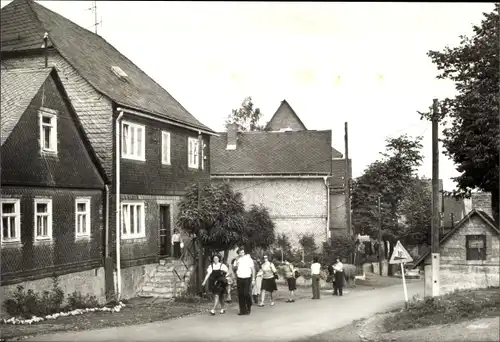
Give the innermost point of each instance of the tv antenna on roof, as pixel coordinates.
(94, 9)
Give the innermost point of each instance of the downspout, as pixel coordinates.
(327, 185)
(106, 223)
(118, 211)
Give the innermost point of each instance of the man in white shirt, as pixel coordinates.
(245, 278)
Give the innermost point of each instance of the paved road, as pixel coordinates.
(283, 322)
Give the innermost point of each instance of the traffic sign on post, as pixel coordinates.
(400, 255)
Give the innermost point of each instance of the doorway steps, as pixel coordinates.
(169, 280)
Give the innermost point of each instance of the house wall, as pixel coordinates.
(149, 179)
(33, 260)
(458, 273)
(297, 206)
(338, 222)
(150, 176)
(285, 118)
(94, 109)
(23, 163)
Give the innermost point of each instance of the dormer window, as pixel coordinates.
(48, 130)
(119, 72)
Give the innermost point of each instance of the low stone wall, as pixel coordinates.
(460, 277)
(133, 278)
(86, 282)
(301, 281)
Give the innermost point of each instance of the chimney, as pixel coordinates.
(232, 135)
(482, 201)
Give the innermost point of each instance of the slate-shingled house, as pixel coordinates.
(288, 169)
(163, 147)
(52, 188)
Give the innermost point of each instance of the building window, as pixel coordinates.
(165, 148)
(133, 222)
(476, 247)
(133, 136)
(11, 220)
(193, 148)
(48, 130)
(82, 217)
(43, 219)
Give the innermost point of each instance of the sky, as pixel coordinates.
(361, 63)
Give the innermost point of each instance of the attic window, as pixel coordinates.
(119, 72)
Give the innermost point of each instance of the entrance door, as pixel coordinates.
(165, 233)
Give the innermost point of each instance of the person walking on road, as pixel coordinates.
(216, 274)
(269, 276)
(258, 283)
(245, 279)
(315, 276)
(291, 280)
(338, 270)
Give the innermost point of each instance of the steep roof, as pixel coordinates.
(19, 87)
(336, 153)
(338, 173)
(284, 116)
(268, 153)
(24, 23)
(481, 214)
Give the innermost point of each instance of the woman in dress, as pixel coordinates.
(258, 282)
(177, 243)
(216, 275)
(268, 280)
(291, 280)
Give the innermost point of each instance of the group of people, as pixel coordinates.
(255, 279)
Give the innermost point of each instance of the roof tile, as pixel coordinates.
(18, 88)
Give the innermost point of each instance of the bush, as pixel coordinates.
(27, 304)
(449, 308)
(340, 246)
(76, 300)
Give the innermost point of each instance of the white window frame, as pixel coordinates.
(165, 150)
(203, 146)
(129, 137)
(193, 150)
(87, 212)
(17, 219)
(52, 115)
(47, 201)
(125, 221)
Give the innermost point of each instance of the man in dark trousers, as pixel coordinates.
(245, 279)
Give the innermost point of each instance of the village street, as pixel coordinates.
(283, 322)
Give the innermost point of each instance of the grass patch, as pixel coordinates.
(451, 308)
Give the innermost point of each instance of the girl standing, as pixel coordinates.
(268, 280)
(216, 273)
(291, 280)
(177, 243)
(258, 283)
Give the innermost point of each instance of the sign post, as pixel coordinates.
(401, 256)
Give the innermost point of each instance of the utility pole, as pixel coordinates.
(380, 250)
(201, 255)
(435, 200)
(347, 182)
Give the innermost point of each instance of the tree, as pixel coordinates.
(308, 245)
(282, 248)
(259, 232)
(416, 210)
(473, 142)
(390, 179)
(246, 117)
(219, 221)
(340, 246)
